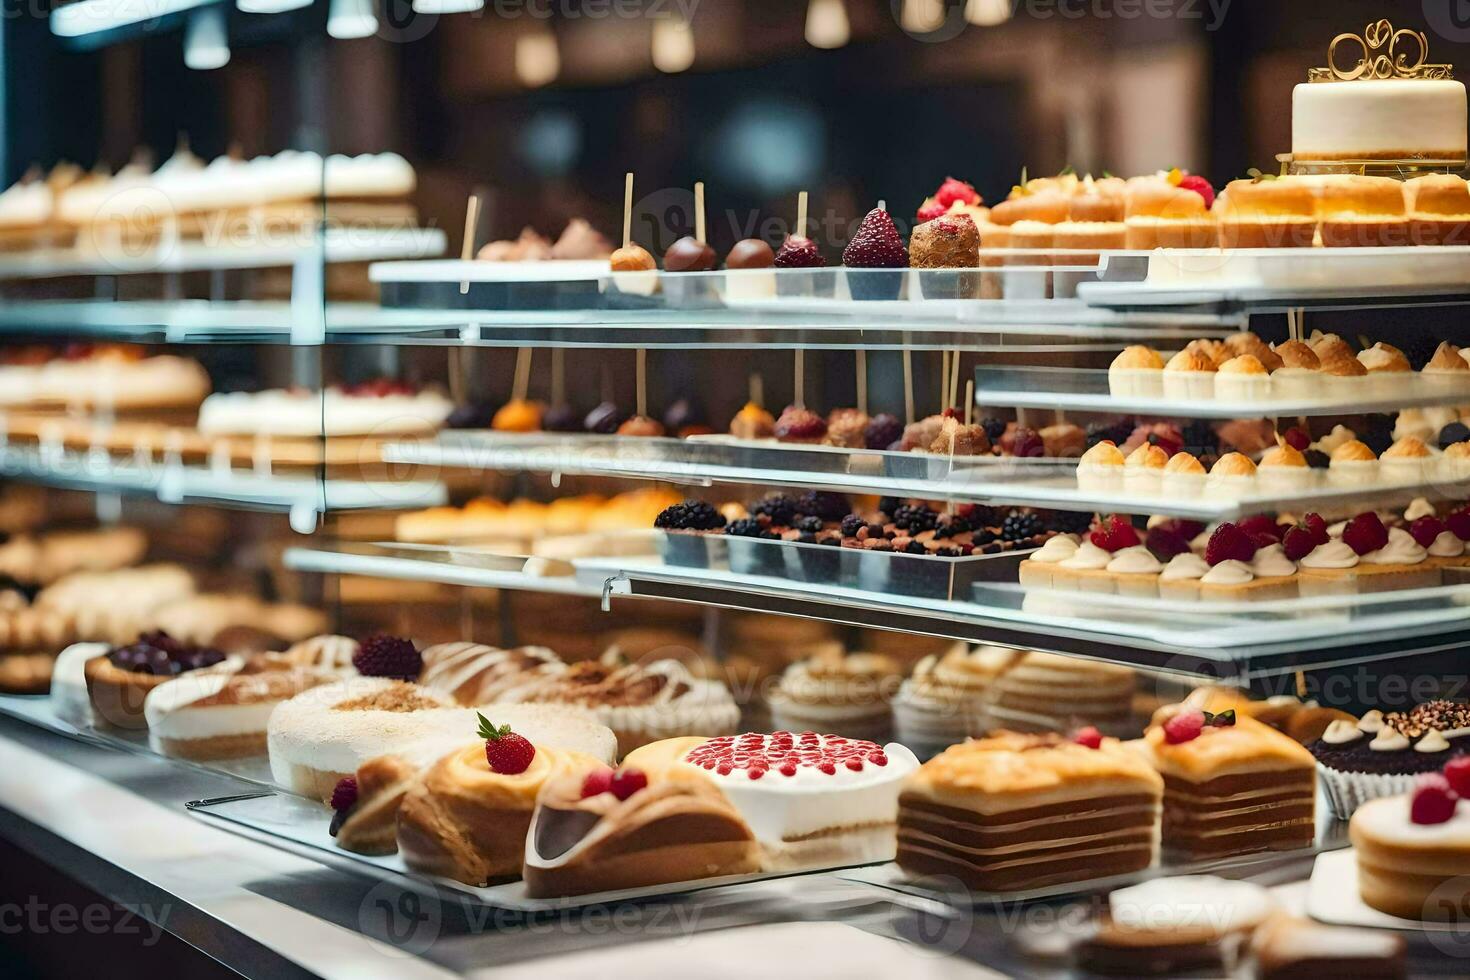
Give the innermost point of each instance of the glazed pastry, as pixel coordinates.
(467, 817)
(365, 805)
(119, 683)
(609, 831)
(1024, 811)
(811, 800)
(1231, 785)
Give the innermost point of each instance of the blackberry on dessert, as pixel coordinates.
(691, 515)
(118, 684)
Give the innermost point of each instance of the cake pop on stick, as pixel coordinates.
(692, 253)
(799, 251)
(560, 417)
(641, 424)
(631, 257)
(753, 421)
(519, 414)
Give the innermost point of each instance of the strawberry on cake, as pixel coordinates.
(812, 800)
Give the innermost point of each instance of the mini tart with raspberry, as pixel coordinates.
(811, 800)
(118, 684)
(590, 836)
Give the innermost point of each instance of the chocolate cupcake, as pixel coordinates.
(1382, 754)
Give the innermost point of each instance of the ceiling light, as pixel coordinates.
(673, 45)
(538, 60)
(988, 13)
(827, 26)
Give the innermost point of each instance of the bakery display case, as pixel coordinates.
(1097, 547)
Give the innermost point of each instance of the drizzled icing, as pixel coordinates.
(1136, 560)
(1333, 554)
(1401, 549)
(1271, 561)
(1184, 567)
(1229, 572)
(1088, 556)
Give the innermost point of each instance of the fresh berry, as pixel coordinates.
(851, 525)
(1297, 438)
(882, 431)
(1457, 772)
(1365, 533)
(344, 794)
(799, 253)
(626, 782)
(1115, 533)
(381, 655)
(749, 527)
(1184, 727)
(1089, 736)
(1229, 543)
(823, 505)
(1315, 524)
(930, 211)
(1433, 800)
(598, 781)
(1317, 459)
(953, 192)
(778, 509)
(1200, 186)
(1023, 443)
(877, 244)
(691, 515)
(915, 518)
(1459, 523)
(1021, 525)
(1257, 525)
(994, 428)
(1298, 543)
(1426, 529)
(1453, 433)
(1165, 542)
(507, 753)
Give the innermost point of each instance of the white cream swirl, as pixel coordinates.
(1401, 549)
(1389, 740)
(1088, 556)
(1136, 560)
(1371, 722)
(1432, 741)
(1055, 550)
(1333, 554)
(1229, 572)
(1271, 562)
(1417, 509)
(1183, 567)
(1446, 545)
(1341, 732)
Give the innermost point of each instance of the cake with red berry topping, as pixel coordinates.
(812, 800)
(381, 407)
(466, 818)
(1413, 850)
(1237, 567)
(1023, 811)
(1171, 210)
(1232, 785)
(609, 830)
(1369, 557)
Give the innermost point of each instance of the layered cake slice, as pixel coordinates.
(1044, 692)
(1025, 811)
(1232, 785)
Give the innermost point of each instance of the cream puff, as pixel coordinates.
(1216, 350)
(1455, 461)
(1143, 470)
(1101, 468)
(1345, 375)
(1353, 464)
(1300, 374)
(1447, 366)
(1246, 342)
(1138, 373)
(1406, 461)
(1189, 376)
(1184, 476)
(1232, 477)
(1243, 378)
(1387, 367)
(1284, 468)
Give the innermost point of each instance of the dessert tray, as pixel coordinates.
(1075, 389)
(301, 826)
(1332, 897)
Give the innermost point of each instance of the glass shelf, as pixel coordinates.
(995, 480)
(444, 565)
(1079, 390)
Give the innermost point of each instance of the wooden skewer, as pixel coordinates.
(800, 376)
(456, 374)
(628, 210)
(969, 400)
(558, 375)
(943, 380)
(862, 381)
(699, 228)
(954, 378)
(643, 381)
(467, 246)
(757, 391)
(908, 387)
(523, 375)
(801, 204)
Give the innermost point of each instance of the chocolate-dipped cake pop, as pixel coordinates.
(471, 415)
(684, 419)
(604, 419)
(689, 254)
(752, 253)
(562, 418)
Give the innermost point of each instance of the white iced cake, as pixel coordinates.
(1379, 119)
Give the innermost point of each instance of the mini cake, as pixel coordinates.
(1232, 477)
(1447, 366)
(1044, 692)
(1407, 461)
(222, 714)
(1267, 213)
(1358, 211)
(812, 800)
(365, 806)
(1143, 470)
(467, 817)
(1373, 558)
(943, 701)
(1101, 468)
(119, 683)
(1038, 568)
(1231, 785)
(1024, 811)
(1184, 475)
(1189, 376)
(847, 694)
(1438, 206)
(1300, 374)
(1382, 754)
(1162, 212)
(1138, 373)
(1243, 378)
(1087, 569)
(1413, 850)
(608, 831)
(1234, 569)
(1353, 465)
(1389, 372)
(1094, 221)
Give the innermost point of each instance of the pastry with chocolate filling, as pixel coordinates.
(365, 817)
(609, 831)
(1231, 784)
(1024, 811)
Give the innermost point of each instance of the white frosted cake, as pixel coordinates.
(1379, 119)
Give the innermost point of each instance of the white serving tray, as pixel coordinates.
(301, 826)
(1332, 897)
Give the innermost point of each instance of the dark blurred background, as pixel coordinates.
(544, 104)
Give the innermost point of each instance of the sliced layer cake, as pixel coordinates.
(1231, 784)
(1043, 692)
(1014, 811)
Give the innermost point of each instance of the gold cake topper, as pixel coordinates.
(1378, 63)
